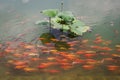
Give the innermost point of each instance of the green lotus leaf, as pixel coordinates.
(42, 23)
(65, 18)
(56, 25)
(50, 12)
(79, 27)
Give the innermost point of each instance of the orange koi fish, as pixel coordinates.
(89, 55)
(117, 46)
(29, 69)
(106, 48)
(95, 47)
(53, 71)
(113, 67)
(18, 63)
(67, 67)
(20, 67)
(85, 41)
(88, 67)
(78, 61)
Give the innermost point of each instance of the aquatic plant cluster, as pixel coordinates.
(64, 21)
(86, 54)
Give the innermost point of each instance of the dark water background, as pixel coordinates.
(19, 17)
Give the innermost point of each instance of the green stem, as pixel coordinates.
(50, 24)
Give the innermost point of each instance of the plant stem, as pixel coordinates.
(50, 24)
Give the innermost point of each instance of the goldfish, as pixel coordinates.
(85, 41)
(70, 56)
(42, 66)
(88, 67)
(106, 43)
(98, 37)
(54, 39)
(11, 61)
(89, 55)
(113, 67)
(29, 46)
(98, 41)
(17, 55)
(106, 48)
(35, 59)
(53, 71)
(20, 67)
(78, 61)
(118, 50)
(18, 63)
(66, 67)
(95, 47)
(29, 69)
(51, 58)
(45, 65)
(41, 38)
(90, 51)
(33, 54)
(117, 46)
(91, 61)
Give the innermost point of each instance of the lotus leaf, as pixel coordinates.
(42, 23)
(50, 12)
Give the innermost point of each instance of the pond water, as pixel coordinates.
(94, 57)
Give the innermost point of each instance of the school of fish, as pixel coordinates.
(87, 54)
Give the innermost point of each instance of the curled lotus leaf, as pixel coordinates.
(50, 12)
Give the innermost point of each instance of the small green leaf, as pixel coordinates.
(42, 23)
(50, 12)
(79, 27)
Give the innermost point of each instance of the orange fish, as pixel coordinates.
(118, 50)
(29, 69)
(41, 38)
(78, 61)
(88, 67)
(117, 46)
(89, 55)
(20, 67)
(95, 47)
(18, 63)
(67, 67)
(85, 41)
(45, 65)
(98, 37)
(53, 71)
(42, 66)
(17, 55)
(91, 61)
(113, 67)
(98, 41)
(106, 42)
(80, 52)
(35, 59)
(106, 48)
(53, 39)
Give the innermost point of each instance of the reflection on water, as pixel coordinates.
(23, 56)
